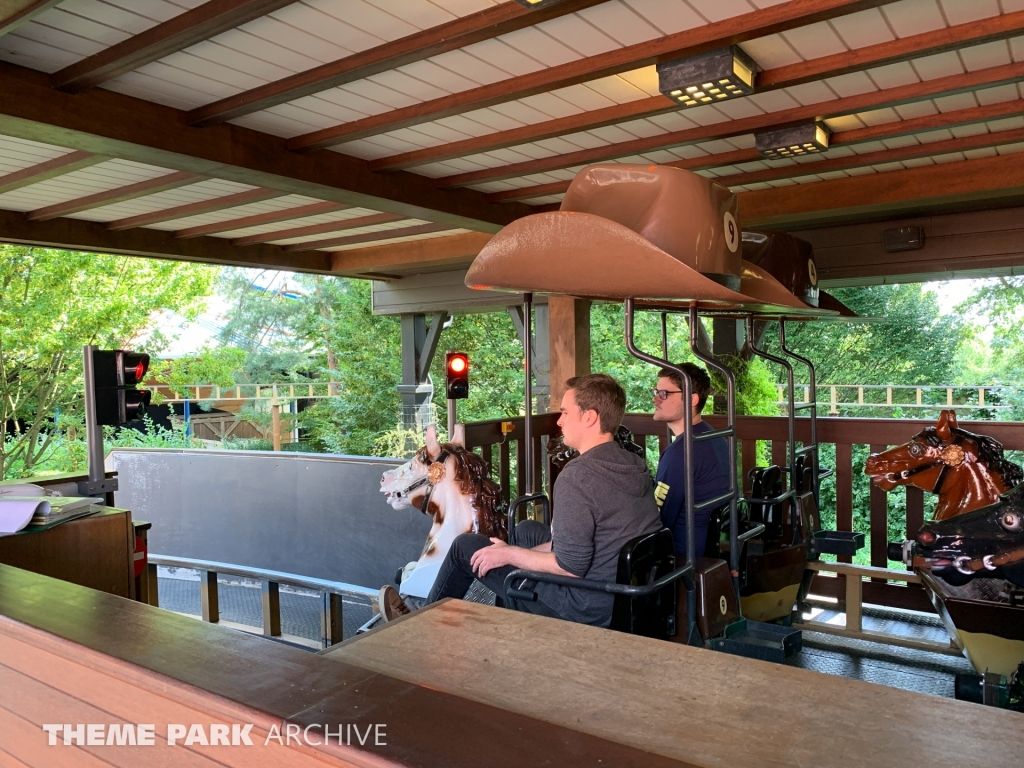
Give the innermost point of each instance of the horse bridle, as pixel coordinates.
(435, 474)
(952, 455)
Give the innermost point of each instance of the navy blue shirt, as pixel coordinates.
(710, 479)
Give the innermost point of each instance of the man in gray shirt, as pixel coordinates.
(602, 499)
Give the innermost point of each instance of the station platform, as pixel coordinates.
(904, 668)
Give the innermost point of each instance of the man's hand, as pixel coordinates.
(494, 556)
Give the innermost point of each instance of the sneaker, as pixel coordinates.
(391, 604)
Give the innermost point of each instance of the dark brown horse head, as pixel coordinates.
(967, 471)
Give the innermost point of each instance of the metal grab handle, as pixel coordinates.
(519, 501)
(685, 573)
(754, 532)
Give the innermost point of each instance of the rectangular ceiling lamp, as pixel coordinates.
(708, 78)
(806, 139)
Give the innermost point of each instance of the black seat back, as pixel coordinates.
(641, 561)
(766, 483)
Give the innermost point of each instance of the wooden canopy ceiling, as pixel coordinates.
(380, 138)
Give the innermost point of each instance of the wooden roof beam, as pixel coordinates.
(889, 97)
(14, 13)
(93, 237)
(454, 251)
(985, 181)
(194, 209)
(892, 130)
(318, 229)
(933, 149)
(108, 123)
(458, 33)
(58, 166)
(759, 23)
(112, 196)
(184, 30)
(901, 49)
(418, 229)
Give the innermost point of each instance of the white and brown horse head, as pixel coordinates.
(453, 486)
(965, 470)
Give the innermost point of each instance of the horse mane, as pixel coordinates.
(472, 476)
(990, 453)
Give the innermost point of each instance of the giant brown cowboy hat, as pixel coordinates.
(791, 261)
(635, 231)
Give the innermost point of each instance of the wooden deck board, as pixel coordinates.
(695, 705)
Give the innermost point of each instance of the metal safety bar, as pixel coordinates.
(688, 438)
(684, 572)
(513, 510)
(331, 592)
(811, 405)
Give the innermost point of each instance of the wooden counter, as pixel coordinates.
(69, 654)
(690, 704)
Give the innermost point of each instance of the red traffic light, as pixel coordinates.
(457, 375)
(134, 367)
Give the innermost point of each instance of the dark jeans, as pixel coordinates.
(456, 575)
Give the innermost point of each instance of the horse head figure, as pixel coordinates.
(966, 471)
(452, 485)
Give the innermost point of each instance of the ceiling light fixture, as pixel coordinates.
(708, 77)
(795, 141)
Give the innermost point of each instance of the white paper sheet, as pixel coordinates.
(15, 515)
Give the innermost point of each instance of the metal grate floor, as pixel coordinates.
(242, 603)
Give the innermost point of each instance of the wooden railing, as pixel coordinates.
(843, 433)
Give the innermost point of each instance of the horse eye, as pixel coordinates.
(915, 449)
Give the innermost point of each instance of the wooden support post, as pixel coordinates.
(331, 625)
(569, 342)
(208, 597)
(854, 594)
(271, 609)
(153, 598)
(879, 508)
(275, 411)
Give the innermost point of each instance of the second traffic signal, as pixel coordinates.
(116, 374)
(457, 375)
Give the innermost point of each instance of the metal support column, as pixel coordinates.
(418, 346)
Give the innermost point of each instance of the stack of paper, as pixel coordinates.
(18, 512)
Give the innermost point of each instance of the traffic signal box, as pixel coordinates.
(457, 375)
(116, 374)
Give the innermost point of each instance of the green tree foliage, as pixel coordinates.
(214, 367)
(52, 303)
(915, 344)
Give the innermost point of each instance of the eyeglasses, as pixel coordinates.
(662, 394)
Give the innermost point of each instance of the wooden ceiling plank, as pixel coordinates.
(14, 13)
(458, 33)
(884, 194)
(259, 219)
(691, 164)
(431, 252)
(983, 140)
(58, 166)
(889, 97)
(737, 29)
(318, 229)
(387, 234)
(892, 130)
(901, 49)
(117, 195)
(194, 209)
(184, 30)
(93, 237)
(113, 124)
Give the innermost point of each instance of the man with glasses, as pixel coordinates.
(710, 457)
